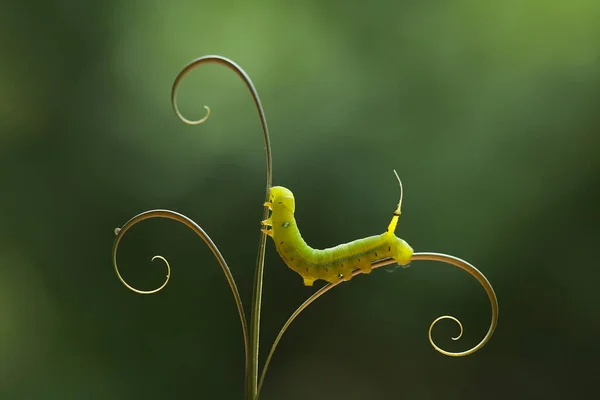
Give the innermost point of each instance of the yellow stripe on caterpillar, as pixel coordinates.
(332, 264)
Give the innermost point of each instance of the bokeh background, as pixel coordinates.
(487, 109)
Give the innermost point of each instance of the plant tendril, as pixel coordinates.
(138, 291)
(120, 232)
(189, 121)
(246, 79)
(457, 262)
(252, 357)
(439, 319)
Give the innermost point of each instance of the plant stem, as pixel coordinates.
(426, 256)
(120, 232)
(252, 377)
(252, 358)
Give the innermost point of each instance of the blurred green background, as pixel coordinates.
(487, 110)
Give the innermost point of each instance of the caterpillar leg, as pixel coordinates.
(366, 269)
(333, 279)
(267, 231)
(268, 221)
(346, 274)
(308, 282)
(267, 226)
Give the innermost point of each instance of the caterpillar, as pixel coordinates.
(335, 263)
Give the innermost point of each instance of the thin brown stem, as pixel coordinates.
(120, 232)
(416, 257)
(252, 357)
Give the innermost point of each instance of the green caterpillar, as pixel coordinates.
(335, 263)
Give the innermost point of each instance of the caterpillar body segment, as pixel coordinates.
(332, 264)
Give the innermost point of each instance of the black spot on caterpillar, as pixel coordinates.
(334, 263)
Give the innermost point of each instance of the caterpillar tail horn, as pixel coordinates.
(394, 222)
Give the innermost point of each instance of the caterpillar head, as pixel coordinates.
(282, 199)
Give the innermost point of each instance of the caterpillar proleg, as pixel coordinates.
(334, 263)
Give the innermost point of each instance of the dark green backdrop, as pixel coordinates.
(488, 110)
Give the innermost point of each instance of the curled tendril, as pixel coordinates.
(158, 289)
(435, 321)
(252, 357)
(462, 264)
(247, 81)
(120, 232)
(457, 262)
(189, 121)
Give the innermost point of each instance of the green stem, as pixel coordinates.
(252, 378)
(120, 232)
(252, 357)
(457, 262)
